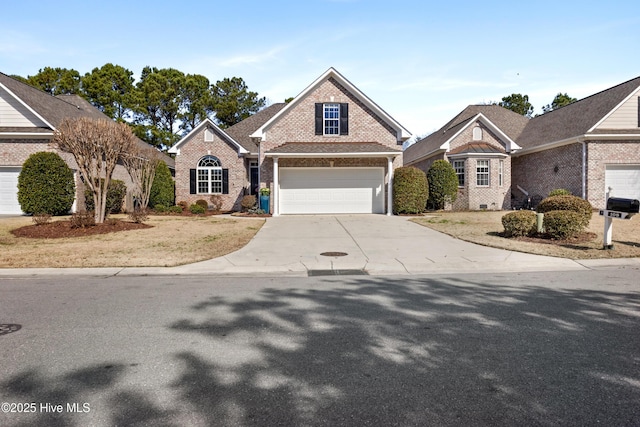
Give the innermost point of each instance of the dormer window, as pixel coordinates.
(332, 119)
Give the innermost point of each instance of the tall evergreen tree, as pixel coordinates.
(110, 88)
(560, 100)
(518, 103)
(197, 103)
(233, 102)
(56, 81)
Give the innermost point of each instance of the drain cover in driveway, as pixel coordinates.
(334, 254)
(311, 273)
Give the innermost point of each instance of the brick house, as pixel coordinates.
(330, 150)
(28, 120)
(502, 158)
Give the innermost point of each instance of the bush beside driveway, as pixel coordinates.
(485, 228)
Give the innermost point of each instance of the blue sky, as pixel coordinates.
(421, 61)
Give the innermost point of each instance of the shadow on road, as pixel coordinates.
(375, 351)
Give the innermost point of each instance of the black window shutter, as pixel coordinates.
(225, 181)
(319, 109)
(192, 181)
(344, 119)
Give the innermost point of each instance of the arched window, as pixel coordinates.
(477, 133)
(209, 173)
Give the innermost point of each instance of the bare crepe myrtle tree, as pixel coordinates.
(141, 165)
(97, 145)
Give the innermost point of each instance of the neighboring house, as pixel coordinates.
(584, 147)
(478, 143)
(28, 119)
(330, 150)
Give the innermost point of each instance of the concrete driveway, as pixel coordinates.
(371, 244)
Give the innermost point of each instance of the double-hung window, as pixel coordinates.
(209, 173)
(458, 166)
(331, 119)
(482, 173)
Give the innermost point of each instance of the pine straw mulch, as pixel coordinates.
(60, 229)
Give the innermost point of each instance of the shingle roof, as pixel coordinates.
(54, 109)
(331, 148)
(577, 118)
(512, 124)
(241, 132)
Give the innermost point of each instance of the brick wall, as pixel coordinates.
(190, 154)
(471, 196)
(603, 153)
(16, 152)
(540, 173)
(298, 125)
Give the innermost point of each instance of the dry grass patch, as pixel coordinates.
(485, 228)
(171, 241)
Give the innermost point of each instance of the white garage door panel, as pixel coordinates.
(9, 191)
(331, 190)
(624, 179)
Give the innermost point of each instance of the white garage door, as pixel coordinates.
(624, 179)
(9, 191)
(331, 190)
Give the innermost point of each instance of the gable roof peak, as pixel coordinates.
(402, 133)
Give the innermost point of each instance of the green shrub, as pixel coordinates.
(410, 190)
(248, 202)
(175, 209)
(562, 224)
(115, 197)
(519, 223)
(203, 203)
(46, 185)
(559, 192)
(197, 209)
(161, 208)
(443, 184)
(162, 188)
(567, 203)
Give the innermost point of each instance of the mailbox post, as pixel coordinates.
(616, 208)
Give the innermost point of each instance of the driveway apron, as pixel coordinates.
(366, 244)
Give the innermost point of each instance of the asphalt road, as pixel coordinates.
(508, 349)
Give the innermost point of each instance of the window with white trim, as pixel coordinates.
(209, 175)
(458, 166)
(331, 119)
(501, 173)
(482, 173)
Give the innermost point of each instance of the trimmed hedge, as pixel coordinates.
(443, 184)
(162, 188)
(562, 224)
(410, 190)
(248, 202)
(568, 203)
(115, 197)
(197, 209)
(560, 192)
(46, 185)
(519, 223)
(203, 203)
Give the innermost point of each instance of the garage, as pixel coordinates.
(624, 180)
(331, 190)
(9, 191)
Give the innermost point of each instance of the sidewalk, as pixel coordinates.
(372, 244)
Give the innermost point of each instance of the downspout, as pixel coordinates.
(584, 167)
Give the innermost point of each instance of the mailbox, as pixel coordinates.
(623, 205)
